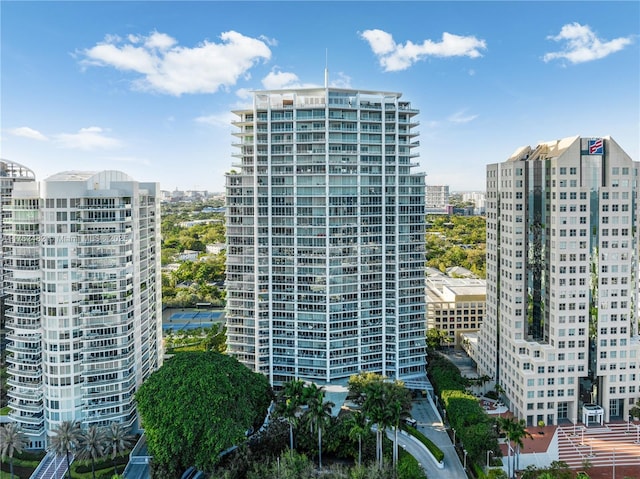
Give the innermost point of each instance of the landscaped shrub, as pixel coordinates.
(435, 450)
(474, 428)
(409, 467)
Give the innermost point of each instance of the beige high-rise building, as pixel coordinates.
(561, 330)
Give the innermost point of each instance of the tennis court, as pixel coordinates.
(185, 320)
(199, 315)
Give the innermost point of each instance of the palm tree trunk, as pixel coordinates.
(359, 450)
(395, 446)
(11, 466)
(319, 446)
(291, 436)
(93, 468)
(68, 465)
(382, 432)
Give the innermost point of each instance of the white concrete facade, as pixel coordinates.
(84, 306)
(437, 196)
(561, 328)
(325, 237)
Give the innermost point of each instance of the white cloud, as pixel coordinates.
(395, 57)
(92, 138)
(166, 67)
(582, 44)
(461, 117)
(342, 81)
(217, 119)
(244, 93)
(26, 132)
(277, 80)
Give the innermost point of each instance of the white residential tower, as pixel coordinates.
(325, 232)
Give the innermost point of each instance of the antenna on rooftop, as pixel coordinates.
(326, 68)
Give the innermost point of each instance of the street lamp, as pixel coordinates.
(628, 422)
(454, 437)
(582, 439)
(489, 454)
(465, 459)
(614, 464)
(638, 434)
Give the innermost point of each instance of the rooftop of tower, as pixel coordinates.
(331, 89)
(15, 170)
(79, 175)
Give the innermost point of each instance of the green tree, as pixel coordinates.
(289, 405)
(91, 446)
(516, 431)
(65, 439)
(358, 384)
(635, 410)
(317, 414)
(385, 404)
(518, 434)
(12, 440)
(436, 337)
(357, 423)
(197, 406)
(117, 441)
(216, 338)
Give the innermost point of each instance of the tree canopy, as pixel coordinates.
(197, 406)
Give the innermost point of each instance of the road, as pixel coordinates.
(430, 424)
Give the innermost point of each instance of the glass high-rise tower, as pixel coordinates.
(560, 334)
(325, 232)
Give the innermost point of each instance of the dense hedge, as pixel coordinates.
(474, 427)
(435, 450)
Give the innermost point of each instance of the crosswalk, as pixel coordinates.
(601, 445)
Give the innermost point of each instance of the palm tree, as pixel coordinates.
(357, 427)
(399, 405)
(65, 439)
(505, 424)
(117, 441)
(317, 414)
(386, 404)
(518, 433)
(92, 445)
(374, 409)
(12, 440)
(292, 395)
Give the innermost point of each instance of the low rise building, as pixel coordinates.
(455, 305)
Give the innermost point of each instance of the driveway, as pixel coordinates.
(430, 424)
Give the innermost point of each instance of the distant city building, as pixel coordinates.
(326, 237)
(216, 248)
(83, 299)
(437, 198)
(477, 198)
(188, 255)
(561, 328)
(455, 305)
(190, 223)
(187, 196)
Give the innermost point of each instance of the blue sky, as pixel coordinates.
(148, 87)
